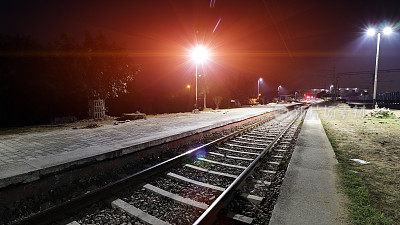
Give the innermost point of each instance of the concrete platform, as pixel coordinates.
(26, 157)
(309, 193)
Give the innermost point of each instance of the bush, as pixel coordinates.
(380, 113)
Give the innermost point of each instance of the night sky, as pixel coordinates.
(298, 44)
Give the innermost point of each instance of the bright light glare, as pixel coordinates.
(260, 79)
(200, 54)
(371, 31)
(387, 30)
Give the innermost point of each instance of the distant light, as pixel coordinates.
(260, 79)
(188, 86)
(259, 94)
(200, 54)
(371, 31)
(331, 85)
(387, 30)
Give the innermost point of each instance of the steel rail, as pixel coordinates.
(210, 215)
(65, 209)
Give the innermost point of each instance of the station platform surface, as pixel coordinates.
(24, 155)
(310, 192)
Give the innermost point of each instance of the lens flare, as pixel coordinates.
(201, 153)
(200, 54)
(387, 30)
(371, 31)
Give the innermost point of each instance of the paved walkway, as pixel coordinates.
(309, 193)
(21, 154)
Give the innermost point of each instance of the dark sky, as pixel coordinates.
(298, 44)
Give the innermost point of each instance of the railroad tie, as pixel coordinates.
(73, 223)
(222, 164)
(243, 146)
(133, 211)
(230, 156)
(240, 218)
(176, 197)
(253, 198)
(211, 171)
(249, 143)
(241, 152)
(268, 171)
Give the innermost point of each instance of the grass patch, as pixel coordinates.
(356, 189)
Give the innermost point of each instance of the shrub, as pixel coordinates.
(380, 113)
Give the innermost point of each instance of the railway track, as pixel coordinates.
(229, 174)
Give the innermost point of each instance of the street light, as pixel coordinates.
(387, 30)
(372, 32)
(199, 54)
(279, 96)
(258, 87)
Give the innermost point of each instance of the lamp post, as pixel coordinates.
(279, 96)
(199, 54)
(372, 32)
(258, 87)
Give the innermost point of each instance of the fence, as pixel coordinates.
(390, 99)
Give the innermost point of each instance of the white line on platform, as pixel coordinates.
(230, 156)
(174, 175)
(211, 171)
(176, 197)
(222, 164)
(133, 211)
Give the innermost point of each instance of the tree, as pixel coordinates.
(108, 68)
(40, 82)
(217, 101)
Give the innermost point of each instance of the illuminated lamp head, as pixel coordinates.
(200, 54)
